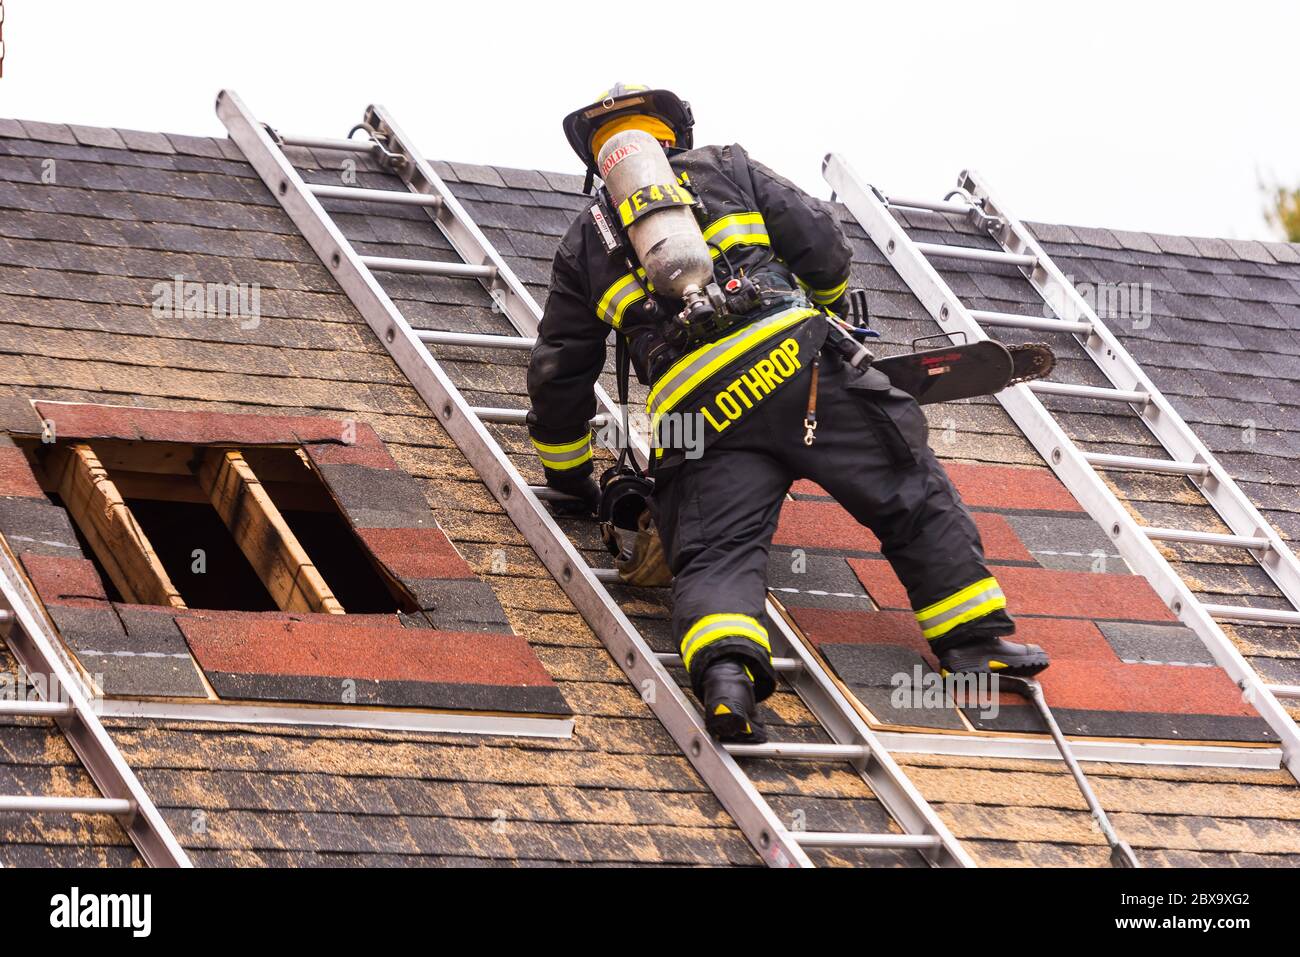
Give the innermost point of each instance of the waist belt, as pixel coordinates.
(734, 362)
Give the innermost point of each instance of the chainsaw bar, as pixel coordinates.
(1033, 360)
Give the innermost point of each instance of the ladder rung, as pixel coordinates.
(779, 665)
(889, 841)
(800, 752)
(66, 805)
(1206, 538)
(429, 267)
(1272, 616)
(519, 416)
(396, 197)
(1040, 323)
(1133, 463)
(436, 338)
(330, 143)
(37, 709)
(1284, 691)
(1090, 392)
(929, 205)
(547, 494)
(977, 255)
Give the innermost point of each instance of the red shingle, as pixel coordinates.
(363, 652)
(78, 420)
(16, 476)
(828, 525)
(995, 486)
(416, 552)
(329, 453)
(59, 579)
(1039, 591)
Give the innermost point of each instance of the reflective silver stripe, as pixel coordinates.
(983, 602)
(615, 300)
(693, 369)
(738, 228)
(566, 455)
(713, 628)
(824, 297)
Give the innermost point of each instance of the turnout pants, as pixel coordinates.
(716, 515)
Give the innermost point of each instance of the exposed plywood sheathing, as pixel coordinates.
(263, 535)
(103, 517)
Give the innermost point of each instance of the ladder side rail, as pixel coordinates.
(718, 769)
(1163, 420)
(811, 682)
(38, 652)
(506, 289)
(1065, 458)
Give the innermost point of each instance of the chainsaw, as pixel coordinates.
(946, 373)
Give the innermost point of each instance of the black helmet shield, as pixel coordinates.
(622, 99)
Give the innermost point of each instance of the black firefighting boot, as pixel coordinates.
(992, 656)
(729, 707)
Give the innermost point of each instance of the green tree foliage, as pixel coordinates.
(1283, 210)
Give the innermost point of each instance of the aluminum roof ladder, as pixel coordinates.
(852, 741)
(66, 700)
(1130, 386)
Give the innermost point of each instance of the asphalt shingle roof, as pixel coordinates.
(78, 257)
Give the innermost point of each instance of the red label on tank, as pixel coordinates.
(616, 157)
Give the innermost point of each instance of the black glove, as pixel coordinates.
(585, 492)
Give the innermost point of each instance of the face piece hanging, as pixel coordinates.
(627, 528)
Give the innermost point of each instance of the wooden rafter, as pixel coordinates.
(262, 534)
(103, 517)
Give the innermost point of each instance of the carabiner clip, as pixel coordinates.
(810, 429)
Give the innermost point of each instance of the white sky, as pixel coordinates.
(1139, 114)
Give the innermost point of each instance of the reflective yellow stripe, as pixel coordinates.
(686, 374)
(735, 219)
(565, 455)
(737, 229)
(713, 628)
(973, 601)
(824, 297)
(625, 291)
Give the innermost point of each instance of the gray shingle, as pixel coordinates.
(195, 145)
(1096, 237)
(146, 142)
(1250, 250)
(469, 173)
(1140, 242)
(1213, 248)
(49, 132)
(564, 182)
(1180, 245)
(1284, 252)
(522, 178)
(98, 136)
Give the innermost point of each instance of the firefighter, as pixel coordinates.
(775, 403)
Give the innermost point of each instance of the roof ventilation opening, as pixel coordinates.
(188, 526)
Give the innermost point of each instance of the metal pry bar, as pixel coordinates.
(1121, 854)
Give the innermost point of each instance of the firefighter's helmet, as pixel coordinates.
(623, 101)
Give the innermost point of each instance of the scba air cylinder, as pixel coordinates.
(656, 213)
